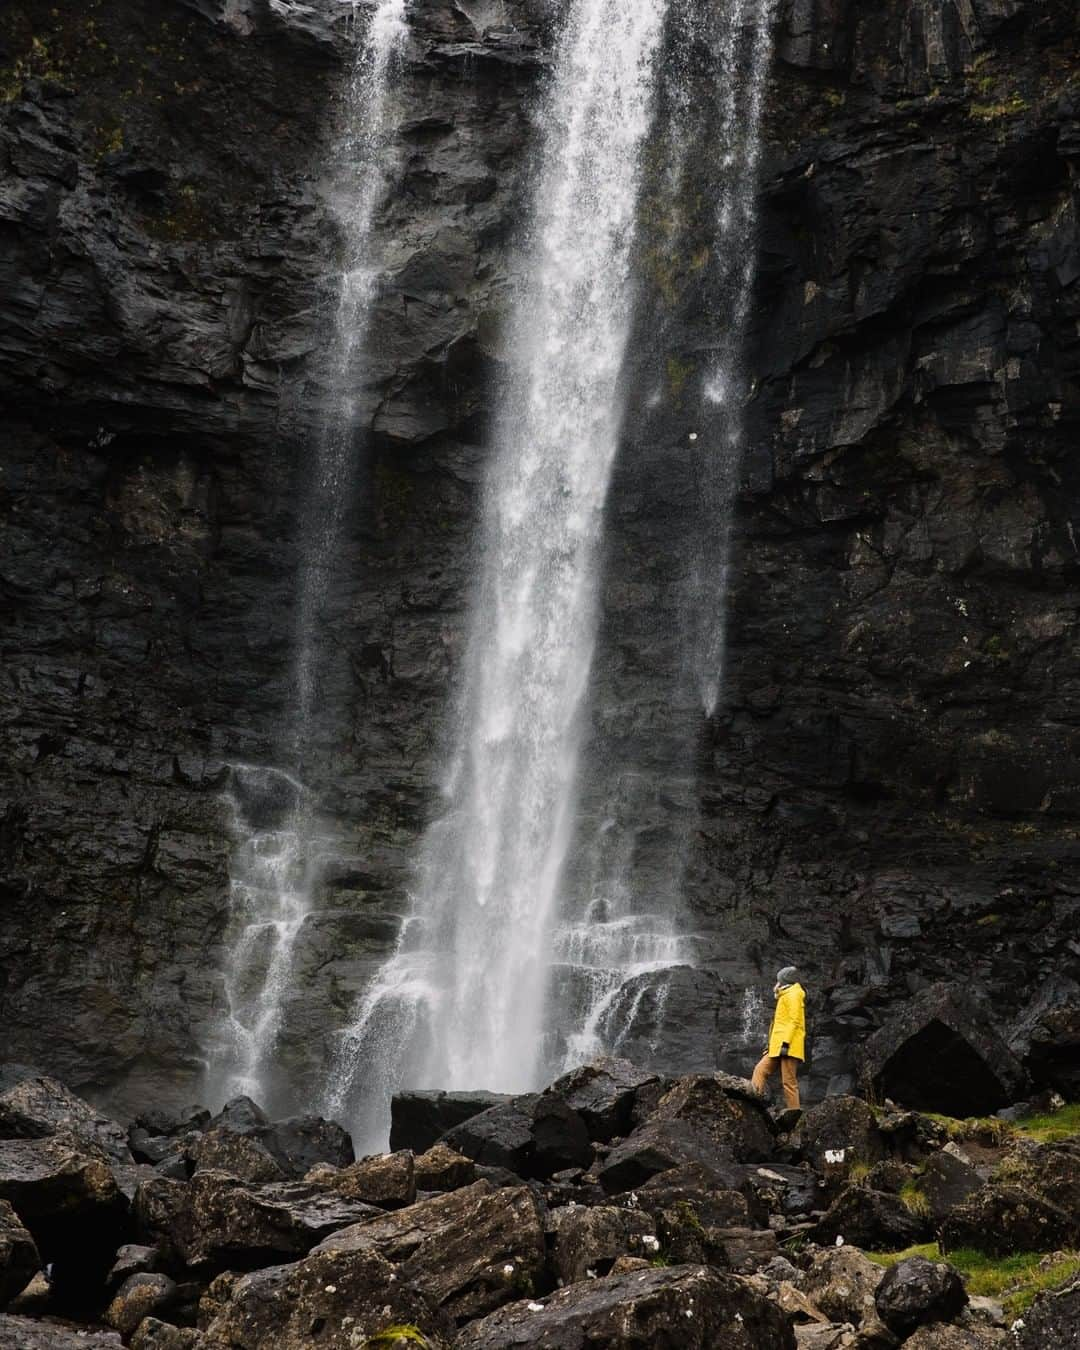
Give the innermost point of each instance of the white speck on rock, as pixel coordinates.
(536, 1307)
(329, 1288)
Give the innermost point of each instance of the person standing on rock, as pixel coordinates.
(787, 1037)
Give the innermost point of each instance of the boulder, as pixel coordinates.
(1001, 1218)
(532, 1136)
(837, 1133)
(152, 1334)
(159, 1213)
(658, 1146)
(1051, 1170)
(138, 1297)
(34, 1106)
(387, 1180)
(241, 1115)
(25, 1333)
(704, 1195)
(173, 1123)
(224, 1222)
(443, 1169)
(158, 1148)
(726, 1108)
(420, 1119)
(842, 1282)
(1052, 1320)
(947, 1181)
(240, 1155)
(874, 1220)
(776, 1188)
(910, 1135)
(743, 1250)
(916, 1291)
(603, 1094)
(672, 1308)
(468, 1251)
(302, 1142)
(1046, 1035)
(940, 1052)
(940, 1336)
(339, 1300)
(19, 1260)
(133, 1259)
(69, 1201)
(588, 1242)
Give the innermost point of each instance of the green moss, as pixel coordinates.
(993, 112)
(1052, 1125)
(1016, 1280)
(678, 372)
(913, 1199)
(858, 1172)
(835, 98)
(987, 1129)
(391, 1336)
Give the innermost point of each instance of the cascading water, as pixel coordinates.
(460, 1004)
(744, 49)
(279, 851)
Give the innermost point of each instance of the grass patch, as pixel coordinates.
(1015, 1280)
(913, 1200)
(984, 1129)
(1051, 1126)
(390, 1336)
(858, 1172)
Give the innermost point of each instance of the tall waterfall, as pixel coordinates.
(744, 49)
(461, 1002)
(278, 848)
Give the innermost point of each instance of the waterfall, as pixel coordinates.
(744, 55)
(461, 1002)
(279, 851)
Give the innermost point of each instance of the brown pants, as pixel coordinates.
(789, 1076)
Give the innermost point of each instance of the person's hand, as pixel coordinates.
(784, 1050)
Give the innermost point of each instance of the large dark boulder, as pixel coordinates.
(873, 1220)
(917, 1291)
(726, 1108)
(603, 1093)
(337, 1300)
(443, 1169)
(589, 1240)
(658, 1146)
(387, 1180)
(419, 1119)
(842, 1282)
(139, 1296)
(1002, 1218)
(240, 1155)
(532, 1136)
(34, 1106)
(942, 1052)
(1053, 1320)
(945, 1182)
(1045, 1036)
(19, 1260)
(70, 1202)
(673, 1308)
(469, 1251)
(837, 1133)
(302, 1142)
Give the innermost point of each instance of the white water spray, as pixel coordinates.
(745, 54)
(276, 867)
(460, 1005)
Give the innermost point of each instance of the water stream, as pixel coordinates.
(460, 1004)
(279, 849)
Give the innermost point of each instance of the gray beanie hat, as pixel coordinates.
(789, 975)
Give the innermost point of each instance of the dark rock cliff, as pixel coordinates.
(890, 792)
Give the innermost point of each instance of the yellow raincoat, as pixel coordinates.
(789, 1022)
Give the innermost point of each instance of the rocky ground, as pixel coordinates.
(616, 1209)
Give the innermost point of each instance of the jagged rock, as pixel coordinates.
(875, 1220)
(947, 1181)
(24, 1333)
(1001, 1218)
(909, 1135)
(71, 1205)
(302, 1142)
(240, 1155)
(420, 1119)
(941, 1337)
(592, 1239)
(658, 1146)
(825, 1336)
(159, 1213)
(743, 1250)
(241, 1115)
(704, 1194)
(603, 1093)
(1052, 1170)
(469, 1251)
(138, 1297)
(780, 1189)
(1045, 1037)
(343, 1298)
(387, 1180)
(1052, 1320)
(152, 1334)
(34, 1106)
(940, 1052)
(19, 1260)
(225, 1222)
(727, 1108)
(837, 1133)
(531, 1136)
(157, 1148)
(917, 1291)
(888, 1175)
(172, 1124)
(133, 1259)
(677, 1308)
(842, 1282)
(442, 1169)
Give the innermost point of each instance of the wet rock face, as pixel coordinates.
(890, 789)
